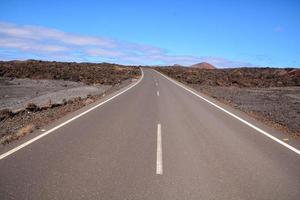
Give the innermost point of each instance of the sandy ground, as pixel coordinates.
(279, 105)
(16, 94)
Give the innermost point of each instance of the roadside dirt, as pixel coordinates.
(269, 95)
(35, 93)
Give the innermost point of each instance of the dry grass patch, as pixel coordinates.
(117, 68)
(20, 133)
(25, 130)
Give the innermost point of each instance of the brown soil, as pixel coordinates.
(269, 95)
(239, 77)
(89, 73)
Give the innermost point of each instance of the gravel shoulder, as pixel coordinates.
(278, 107)
(269, 95)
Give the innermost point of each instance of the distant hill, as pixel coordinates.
(178, 65)
(203, 65)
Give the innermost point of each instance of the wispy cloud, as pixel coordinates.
(279, 29)
(19, 41)
(40, 33)
(222, 62)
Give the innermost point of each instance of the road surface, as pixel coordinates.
(156, 140)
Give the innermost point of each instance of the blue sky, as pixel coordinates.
(224, 33)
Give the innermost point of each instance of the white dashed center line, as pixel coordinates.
(159, 166)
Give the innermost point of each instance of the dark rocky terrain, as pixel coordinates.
(271, 95)
(238, 77)
(89, 73)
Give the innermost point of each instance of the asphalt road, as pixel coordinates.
(154, 141)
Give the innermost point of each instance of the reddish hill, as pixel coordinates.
(203, 65)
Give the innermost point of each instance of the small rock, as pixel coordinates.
(32, 107)
(5, 113)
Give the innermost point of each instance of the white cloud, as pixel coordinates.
(47, 43)
(41, 33)
(103, 52)
(30, 46)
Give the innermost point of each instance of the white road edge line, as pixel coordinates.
(234, 116)
(157, 93)
(159, 166)
(68, 121)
